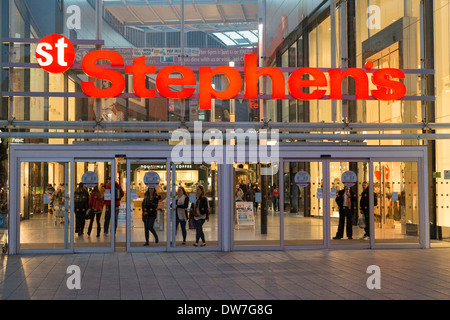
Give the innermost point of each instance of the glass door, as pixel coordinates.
(145, 211)
(348, 182)
(194, 207)
(396, 214)
(92, 212)
(303, 206)
(44, 205)
(256, 212)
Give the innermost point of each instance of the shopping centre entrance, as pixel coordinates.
(297, 203)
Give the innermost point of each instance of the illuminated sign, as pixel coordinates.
(55, 54)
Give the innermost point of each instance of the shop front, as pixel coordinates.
(291, 204)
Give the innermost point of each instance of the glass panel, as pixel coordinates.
(397, 212)
(91, 223)
(44, 205)
(148, 193)
(347, 179)
(194, 180)
(257, 221)
(303, 203)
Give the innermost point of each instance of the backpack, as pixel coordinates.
(119, 193)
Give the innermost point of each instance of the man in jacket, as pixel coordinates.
(364, 205)
(346, 200)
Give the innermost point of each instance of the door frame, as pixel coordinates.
(112, 239)
(15, 206)
(334, 153)
(287, 152)
(128, 202)
(372, 158)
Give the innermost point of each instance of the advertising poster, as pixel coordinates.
(245, 216)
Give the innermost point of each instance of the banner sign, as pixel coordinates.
(56, 54)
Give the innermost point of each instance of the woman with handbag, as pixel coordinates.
(182, 203)
(149, 213)
(201, 214)
(96, 203)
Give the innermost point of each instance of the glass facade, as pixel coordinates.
(38, 108)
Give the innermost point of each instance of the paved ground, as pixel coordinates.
(285, 275)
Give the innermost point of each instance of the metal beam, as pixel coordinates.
(193, 22)
(172, 125)
(132, 12)
(167, 136)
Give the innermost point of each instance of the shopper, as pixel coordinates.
(96, 203)
(201, 214)
(274, 194)
(117, 196)
(364, 206)
(346, 200)
(239, 194)
(182, 203)
(81, 202)
(149, 213)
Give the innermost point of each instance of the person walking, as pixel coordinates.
(149, 213)
(182, 203)
(201, 214)
(96, 203)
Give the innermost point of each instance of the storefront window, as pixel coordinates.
(388, 34)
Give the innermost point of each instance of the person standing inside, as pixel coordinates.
(149, 213)
(182, 203)
(201, 214)
(364, 206)
(81, 202)
(117, 196)
(96, 203)
(346, 201)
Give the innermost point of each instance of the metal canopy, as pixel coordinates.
(199, 15)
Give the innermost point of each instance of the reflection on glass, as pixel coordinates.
(303, 203)
(397, 213)
(257, 205)
(44, 205)
(90, 211)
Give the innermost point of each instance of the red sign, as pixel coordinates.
(388, 88)
(55, 53)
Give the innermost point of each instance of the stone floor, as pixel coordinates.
(258, 275)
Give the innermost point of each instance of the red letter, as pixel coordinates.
(295, 83)
(206, 91)
(139, 71)
(163, 82)
(361, 80)
(381, 78)
(251, 76)
(90, 68)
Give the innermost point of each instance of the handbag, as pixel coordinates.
(362, 221)
(89, 214)
(160, 205)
